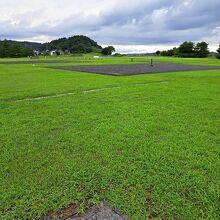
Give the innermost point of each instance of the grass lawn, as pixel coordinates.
(149, 145)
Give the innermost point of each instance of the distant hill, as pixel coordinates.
(75, 44)
(30, 45)
(212, 53)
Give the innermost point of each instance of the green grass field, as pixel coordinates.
(149, 145)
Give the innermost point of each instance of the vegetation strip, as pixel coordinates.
(86, 91)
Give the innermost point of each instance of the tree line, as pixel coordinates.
(189, 49)
(82, 44)
(78, 44)
(14, 50)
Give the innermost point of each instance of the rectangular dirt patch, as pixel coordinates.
(133, 69)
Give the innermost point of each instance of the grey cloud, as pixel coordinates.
(146, 22)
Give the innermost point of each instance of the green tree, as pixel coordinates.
(78, 48)
(4, 49)
(201, 49)
(186, 49)
(15, 50)
(108, 50)
(218, 53)
(218, 50)
(158, 53)
(168, 53)
(27, 52)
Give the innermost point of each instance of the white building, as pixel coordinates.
(53, 53)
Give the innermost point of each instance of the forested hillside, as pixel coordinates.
(75, 44)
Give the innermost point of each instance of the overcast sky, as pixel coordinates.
(130, 25)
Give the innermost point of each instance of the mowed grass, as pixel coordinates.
(149, 145)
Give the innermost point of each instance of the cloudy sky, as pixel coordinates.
(130, 25)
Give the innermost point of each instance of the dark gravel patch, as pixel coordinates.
(39, 62)
(102, 212)
(133, 69)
